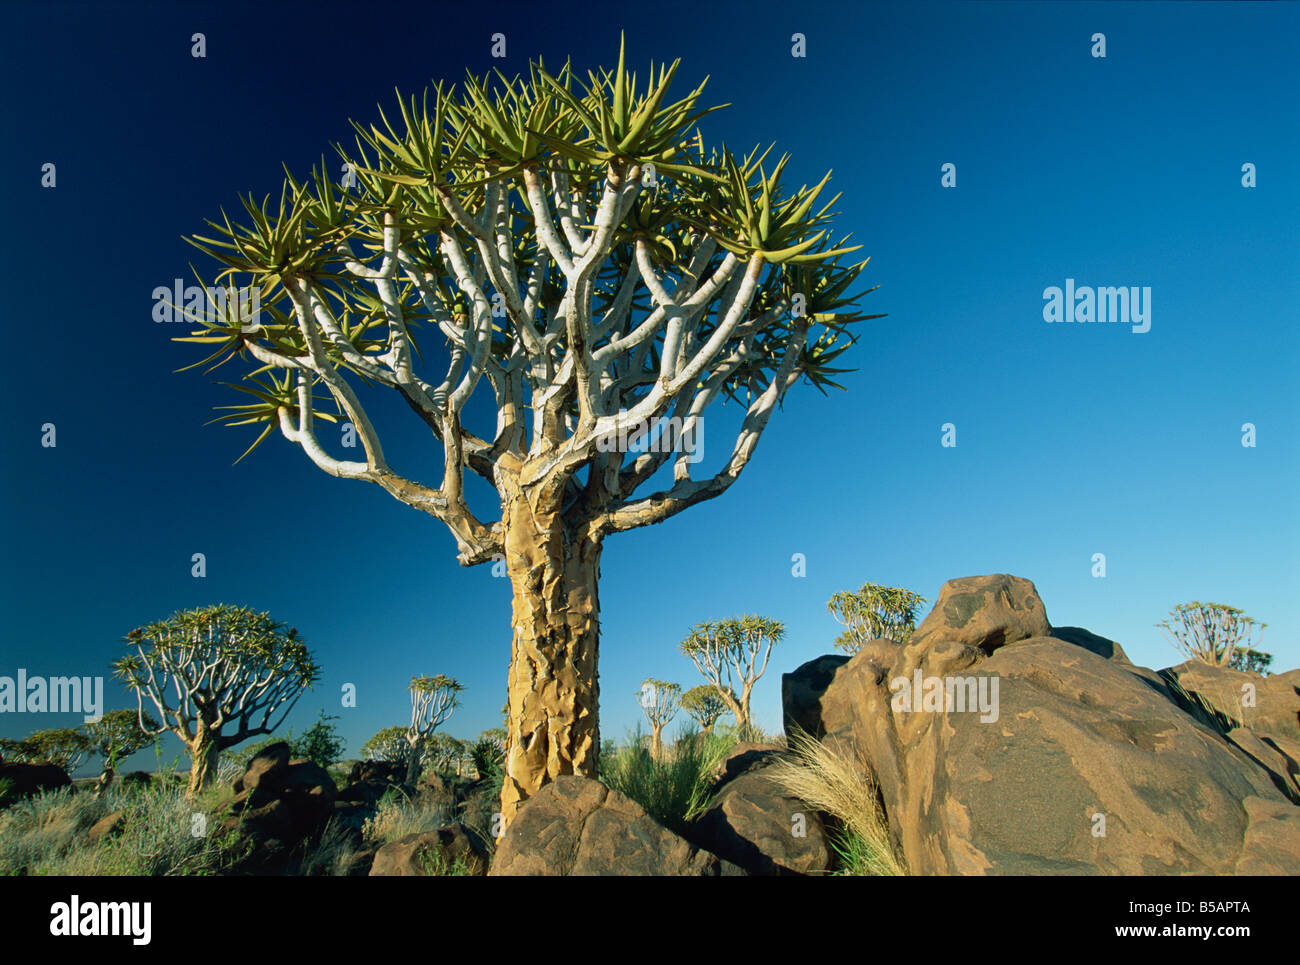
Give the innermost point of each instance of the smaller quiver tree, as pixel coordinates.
(874, 612)
(116, 736)
(389, 745)
(432, 701)
(214, 668)
(64, 747)
(705, 705)
(727, 653)
(1216, 634)
(659, 701)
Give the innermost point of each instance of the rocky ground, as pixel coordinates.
(1082, 764)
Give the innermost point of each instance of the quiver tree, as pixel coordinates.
(660, 701)
(705, 705)
(575, 255)
(214, 668)
(874, 612)
(445, 753)
(64, 747)
(388, 745)
(727, 653)
(116, 736)
(1216, 634)
(432, 701)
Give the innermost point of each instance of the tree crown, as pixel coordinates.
(581, 253)
(872, 612)
(1215, 633)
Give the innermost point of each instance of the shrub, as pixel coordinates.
(435, 864)
(319, 743)
(1252, 661)
(489, 751)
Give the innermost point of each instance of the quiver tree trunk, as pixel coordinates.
(553, 685)
(204, 751)
(414, 763)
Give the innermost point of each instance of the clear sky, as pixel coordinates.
(1072, 439)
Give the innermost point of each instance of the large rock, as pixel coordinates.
(109, 826)
(309, 791)
(1270, 706)
(753, 823)
(1102, 647)
(28, 779)
(984, 612)
(577, 826)
(744, 757)
(1015, 784)
(268, 764)
(801, 692)
(364, 792)
(422, 854)
(384, 772)
(280, 808)
(306, 777)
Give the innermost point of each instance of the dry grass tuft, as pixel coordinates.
(842, 787)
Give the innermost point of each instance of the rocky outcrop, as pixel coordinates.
(1000, 748)
(433, 853)
(1269, 706)
(577, 826)
(754, 824)
(267, 764)
(383, 772)
(801, 692)
(280, 806)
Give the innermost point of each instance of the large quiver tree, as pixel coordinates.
(575, 252)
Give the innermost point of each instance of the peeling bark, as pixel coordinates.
(204, 752)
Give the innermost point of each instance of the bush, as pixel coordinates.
(1252, 661)
(750, 733)
(319, 743)
(488, 753)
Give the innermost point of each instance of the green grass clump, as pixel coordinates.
(435, 864)
(397, 815)
(47, 834)
(332, 855)
(674, 790)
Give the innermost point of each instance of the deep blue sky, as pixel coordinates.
(1072, 439)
